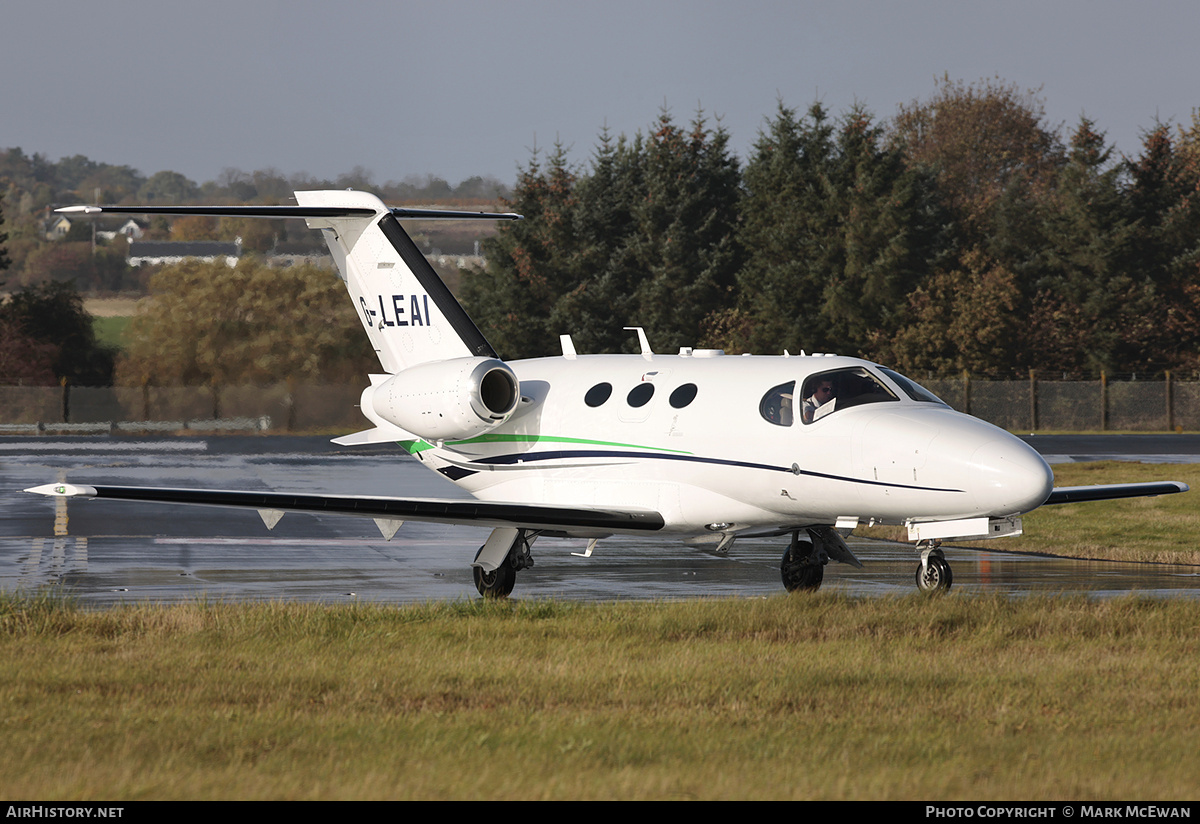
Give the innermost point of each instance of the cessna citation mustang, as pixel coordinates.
(698, 446)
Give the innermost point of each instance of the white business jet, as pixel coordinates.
(698, 446)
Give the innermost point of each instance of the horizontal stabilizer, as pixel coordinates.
(289, 212)
(470, 512)
(373, 436)
(1106, 492)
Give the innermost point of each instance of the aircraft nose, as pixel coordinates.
(1009, 477)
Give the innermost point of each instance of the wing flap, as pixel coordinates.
(469, 512)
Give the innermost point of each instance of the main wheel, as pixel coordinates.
(934, 577)
(496, 584)
(799, 576)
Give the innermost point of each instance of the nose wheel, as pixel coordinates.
(933, 574)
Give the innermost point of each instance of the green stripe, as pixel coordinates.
(554, 439)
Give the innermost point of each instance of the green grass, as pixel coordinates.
(110, 331)
(815, 696)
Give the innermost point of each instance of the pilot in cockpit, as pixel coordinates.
(821, 395)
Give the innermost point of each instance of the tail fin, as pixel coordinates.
(408, 313)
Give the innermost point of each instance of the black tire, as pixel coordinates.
(497, 584)
(936, 578)
(799, 576)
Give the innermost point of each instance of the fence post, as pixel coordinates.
(66, 400)
(1170, 405)
(1033, 404)
(291, 403)
(966, 392)
(1103, 401)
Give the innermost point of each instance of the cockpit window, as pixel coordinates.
(911, 388)
(776, 405)
(828, 392)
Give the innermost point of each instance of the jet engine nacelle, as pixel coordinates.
(447, 400)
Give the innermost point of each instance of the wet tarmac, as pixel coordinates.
(104, 552)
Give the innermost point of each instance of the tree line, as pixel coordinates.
(31, 186)
(965, 233)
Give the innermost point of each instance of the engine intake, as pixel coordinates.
(446, 400)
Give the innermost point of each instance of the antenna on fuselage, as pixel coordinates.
(642, 341)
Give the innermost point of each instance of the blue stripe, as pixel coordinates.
(534, 457)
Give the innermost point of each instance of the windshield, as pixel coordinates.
(911, 388)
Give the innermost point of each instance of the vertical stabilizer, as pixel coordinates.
(407, 311)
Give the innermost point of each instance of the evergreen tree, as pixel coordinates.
(1164, 254)
(685, 241)
(887, 233)
(531, 263)
(786, 230)
(1082, 299)
(5, 262)
(598, 306)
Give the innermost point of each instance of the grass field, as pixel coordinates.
(794, 697)
(808, 696)
(110, 331)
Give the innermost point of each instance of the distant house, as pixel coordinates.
(57, 227)
(158, 252)
(296, 253)
(130, 228)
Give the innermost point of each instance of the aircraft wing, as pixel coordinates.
(1106, 492)
(443, 511)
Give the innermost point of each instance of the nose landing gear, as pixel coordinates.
(933, 574)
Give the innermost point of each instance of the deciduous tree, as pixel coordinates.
(208, 324)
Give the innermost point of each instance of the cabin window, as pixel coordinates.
(829, 392)
(640, 395)
(776, 405)
(598, 394)
(683, 395)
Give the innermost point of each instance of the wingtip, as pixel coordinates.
(85, 210)
(63, 490)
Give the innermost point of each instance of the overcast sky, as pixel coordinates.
(464, 87)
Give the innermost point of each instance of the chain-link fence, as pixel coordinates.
(1032, 405)
(279, 407)
(1027, 405)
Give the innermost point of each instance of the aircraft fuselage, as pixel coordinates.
(695, 437)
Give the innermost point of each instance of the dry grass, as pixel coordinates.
(790, 697)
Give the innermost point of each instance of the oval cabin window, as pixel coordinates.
(598, 394)
(640, 395)
(684, 395)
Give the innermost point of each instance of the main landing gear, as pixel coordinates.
(499, 582)
(933, 575)
(803, 566)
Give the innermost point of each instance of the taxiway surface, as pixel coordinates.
(112, 551)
